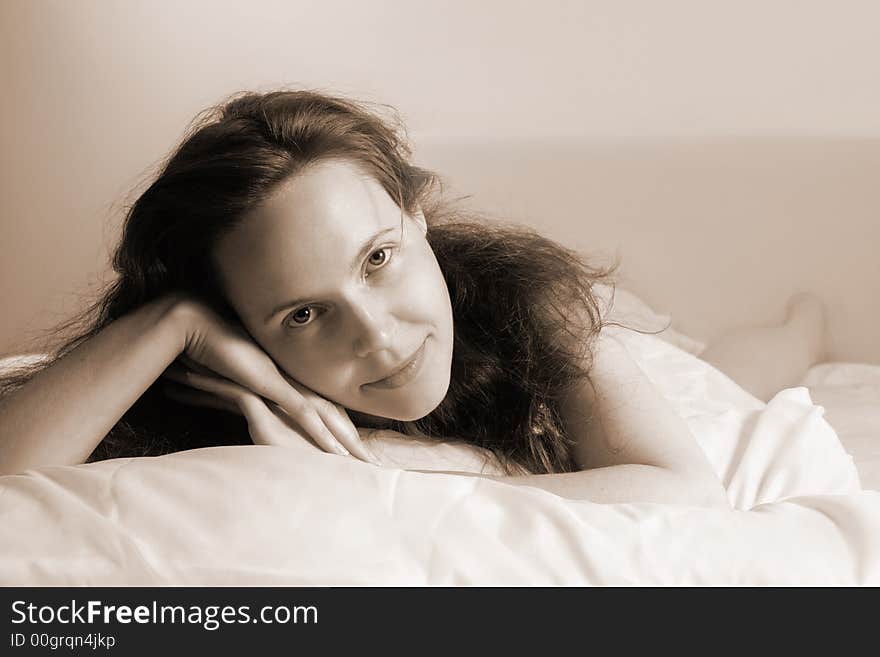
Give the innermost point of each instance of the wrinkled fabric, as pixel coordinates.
(273, 516)
(260, 515)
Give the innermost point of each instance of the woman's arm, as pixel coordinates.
(65, 410)
(617, 484)
(60, 415)
(622, 418)
(632, 444)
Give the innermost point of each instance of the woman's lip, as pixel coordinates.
(406, 373)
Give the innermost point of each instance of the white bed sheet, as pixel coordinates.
(850, 395)
(263, 515)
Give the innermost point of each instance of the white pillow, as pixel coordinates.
(761, 452)
(411, 453)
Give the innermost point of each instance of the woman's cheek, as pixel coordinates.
(296, 362)
(426, 290)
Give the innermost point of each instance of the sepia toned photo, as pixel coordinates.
(440, 294)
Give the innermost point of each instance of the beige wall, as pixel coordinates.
(716, 233)
(95, 92)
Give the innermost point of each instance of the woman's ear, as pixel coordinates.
(419, 217)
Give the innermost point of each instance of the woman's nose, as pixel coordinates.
(374, 329)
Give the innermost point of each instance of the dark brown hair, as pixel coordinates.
(525, 313)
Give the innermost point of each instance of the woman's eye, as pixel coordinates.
(302, 316)
(379, 257)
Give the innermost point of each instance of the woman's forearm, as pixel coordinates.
(63, 412)
(622, 418)
(629, 441)
(623, 484)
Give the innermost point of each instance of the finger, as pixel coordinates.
(306, 415)
(334, 418)
(268, 427)
(259, 425)
(337, 420)
(196, 366)
(302, 405)
(187, 395)
(177, 371)
(180, 374)
(264, 427)
(209, 384)
(246, 364)
(272, 385)
(280, 417)
(304, 412)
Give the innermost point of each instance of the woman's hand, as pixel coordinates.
(222, 359)
(267, 423)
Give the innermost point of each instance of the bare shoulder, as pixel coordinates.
(618, 416)
(611, 361)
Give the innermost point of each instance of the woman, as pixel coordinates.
(290, 265)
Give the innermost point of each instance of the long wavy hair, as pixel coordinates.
(525, 310)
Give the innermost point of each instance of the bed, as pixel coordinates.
(802, 474)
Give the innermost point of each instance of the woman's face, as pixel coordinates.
(343, 292)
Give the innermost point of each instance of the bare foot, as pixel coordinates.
(806, 312)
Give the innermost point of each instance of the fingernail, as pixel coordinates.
(341, 450)
(374, 459)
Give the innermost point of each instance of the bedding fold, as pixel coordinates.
(260, 515)
(203, 518)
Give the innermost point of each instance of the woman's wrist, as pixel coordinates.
(175, 315)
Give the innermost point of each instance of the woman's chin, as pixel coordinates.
(372, 421)
(405, 409)
(426, 403)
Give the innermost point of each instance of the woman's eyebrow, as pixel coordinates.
(362, 253)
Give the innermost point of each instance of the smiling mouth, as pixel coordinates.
(403, 374)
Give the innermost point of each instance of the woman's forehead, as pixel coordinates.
(331, 200)
(308, 230)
